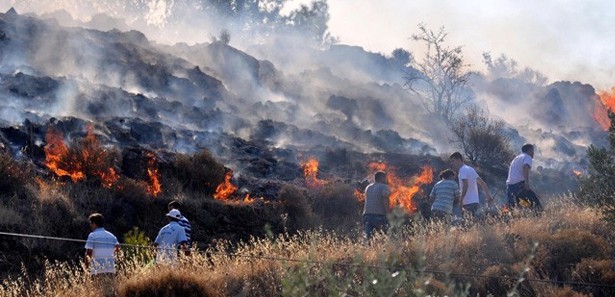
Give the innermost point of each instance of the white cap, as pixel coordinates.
(174, 213)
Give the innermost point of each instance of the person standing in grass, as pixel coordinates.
(183, 221)
(171, 237)
(469, 181)
(444, 194)
(518, 181)
(101, 248)
(376, 205)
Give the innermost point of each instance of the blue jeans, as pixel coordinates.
(373, 222)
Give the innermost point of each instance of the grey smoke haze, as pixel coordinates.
(278, 89)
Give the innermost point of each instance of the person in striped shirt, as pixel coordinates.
(445, 194)
(184, 222)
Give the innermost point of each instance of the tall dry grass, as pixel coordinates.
(566, 243)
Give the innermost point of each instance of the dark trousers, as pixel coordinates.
(516, 192)
(374, 222)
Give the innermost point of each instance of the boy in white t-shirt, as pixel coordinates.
(469, 181)
(518, 181)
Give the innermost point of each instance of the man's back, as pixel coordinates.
(515, 171)
(376, 199)
(168, 239)
(102, 243)
(444, 192)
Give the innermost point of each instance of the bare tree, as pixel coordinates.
(482, 140)
(441, 79)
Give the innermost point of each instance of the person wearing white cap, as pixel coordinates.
(170, 237)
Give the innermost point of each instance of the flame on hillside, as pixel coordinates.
(577, 173)
(310, 172)
(600, 114)
(225, 189)
(88, 158)
(402, 191)
(154, 187)
(55, 153)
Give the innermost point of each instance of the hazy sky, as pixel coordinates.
(566, 40)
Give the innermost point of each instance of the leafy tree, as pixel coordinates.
(482, 140)
(598, 187)
(401, 56)
(225, 37)
(441, 80)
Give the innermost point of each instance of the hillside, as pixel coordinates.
(113, 122)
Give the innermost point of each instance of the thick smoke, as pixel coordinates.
(284, 87)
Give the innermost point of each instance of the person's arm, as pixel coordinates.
(464, 191)
(88, 256)
(385, 199)
(483, 185)
(526, 176)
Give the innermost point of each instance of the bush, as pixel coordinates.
(14, 176)
(199, 172)
(598, 187)
(595, 271)
(569, 247)
(297, 207)
(338, 207)
(165, 283)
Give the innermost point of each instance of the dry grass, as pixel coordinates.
(566, 243)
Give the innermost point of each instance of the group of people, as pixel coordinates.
(102, 247)
(451, 198)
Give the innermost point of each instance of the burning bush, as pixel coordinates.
(199, 172)
(84, 159)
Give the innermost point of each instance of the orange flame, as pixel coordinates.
(225, 189)
(359, 195)
(55, 154)
(402, 191)
(310, 171)
(577, 173)
(91, 160)
(607, 98)
(154, 186)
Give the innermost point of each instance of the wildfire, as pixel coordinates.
(577, 173)
(225, 189)
(402, 191)
(608, 100)
(310, 171)
(77, 162)
(55, 154)
(154, 186)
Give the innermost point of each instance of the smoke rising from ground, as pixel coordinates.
(283, 87)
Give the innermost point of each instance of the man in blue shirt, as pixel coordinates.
(169, 239)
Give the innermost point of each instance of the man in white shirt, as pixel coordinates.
(469, 182)
(169, 239)
(518, 181)
(101, 247)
